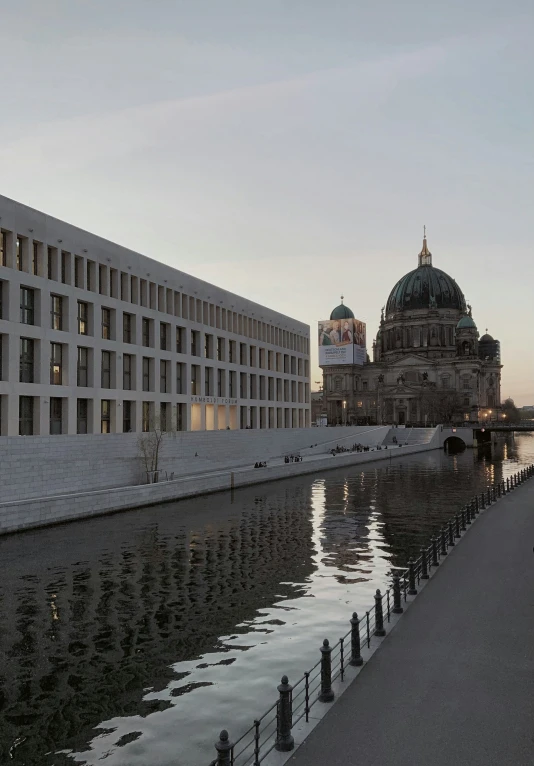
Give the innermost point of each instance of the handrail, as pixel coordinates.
(264, 737)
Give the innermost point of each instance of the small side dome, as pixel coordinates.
(341, 312)
(466, 323)
(487, 338)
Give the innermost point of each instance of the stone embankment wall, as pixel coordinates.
(42, 466)
(25, 514)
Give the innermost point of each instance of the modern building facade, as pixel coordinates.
(95, 338)
(428, 363)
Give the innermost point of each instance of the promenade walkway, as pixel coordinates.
(454, 683)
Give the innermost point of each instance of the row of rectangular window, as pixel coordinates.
(166, 418)
(58, 405)
(214, 347)
(118, 284)
(250, 386)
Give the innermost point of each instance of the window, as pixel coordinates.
(163, 336)
(19, 253)
(56, 312)
(165, 416)
(26, 415)
(56, 364)
(82, 369)
(243, 353)
(208, 378)
(127, 417)
(56, 415)
(105, 416)
(220, 349)
(27, 305)
(208, 346)
(146, 417)
(106, 324)
(252, 355)
(243, 385)
(195, 379)
(83, 318)
(146, 332)
(3, 248)
(195, 343)
(220, 383)
(64, 267)
(50, 263)
(232, 384)
(180, 378)
(466, 401)
(82, 416)
(26, 360)
(127, 323)
(232, 357)
(35, 258)
(180, 342)
(127, 365)
(146, 373)
(106, 369)
(164, 376)
(365, 385)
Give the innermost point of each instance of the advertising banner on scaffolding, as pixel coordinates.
(341, 341)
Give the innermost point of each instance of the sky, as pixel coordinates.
(288, 150)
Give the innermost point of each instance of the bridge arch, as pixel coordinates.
(454, 444)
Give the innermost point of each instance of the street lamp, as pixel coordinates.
(344, 412)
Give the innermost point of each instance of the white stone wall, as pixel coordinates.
(42, 466)
(17, 516)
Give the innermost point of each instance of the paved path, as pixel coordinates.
(454, 684)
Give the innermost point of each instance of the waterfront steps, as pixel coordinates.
(453, 682)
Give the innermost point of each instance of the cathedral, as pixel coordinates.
(428, 363)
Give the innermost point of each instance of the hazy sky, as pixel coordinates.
(288, 150)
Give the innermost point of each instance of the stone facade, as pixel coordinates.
(96, 338)
(428, 362)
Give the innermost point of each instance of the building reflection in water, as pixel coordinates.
(194, 610)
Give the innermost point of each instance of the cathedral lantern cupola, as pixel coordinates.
(466, 336)
(425, 256)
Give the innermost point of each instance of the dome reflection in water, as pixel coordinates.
(135, 638)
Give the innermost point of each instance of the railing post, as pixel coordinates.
(476, 505)
(468, 514)
(498, 489)
(326, 695)
(224, 749)
(424, 564)
(483, 501)
(451, 534)
(443, 542)
(412, 590)
(507, 484)
(379, 615)
(397, 601)
(435, 562)
(503, 487)
(489, 496)
(284, 717)
(462, 513)
(355, 645)
(494, 494)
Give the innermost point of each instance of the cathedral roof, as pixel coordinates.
(341, 312)
(466, 323)
(425, 287)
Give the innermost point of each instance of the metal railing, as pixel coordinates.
(272, 730)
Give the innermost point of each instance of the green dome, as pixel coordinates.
(341, 312)
(466, 323)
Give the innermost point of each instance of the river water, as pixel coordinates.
(134, 639)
